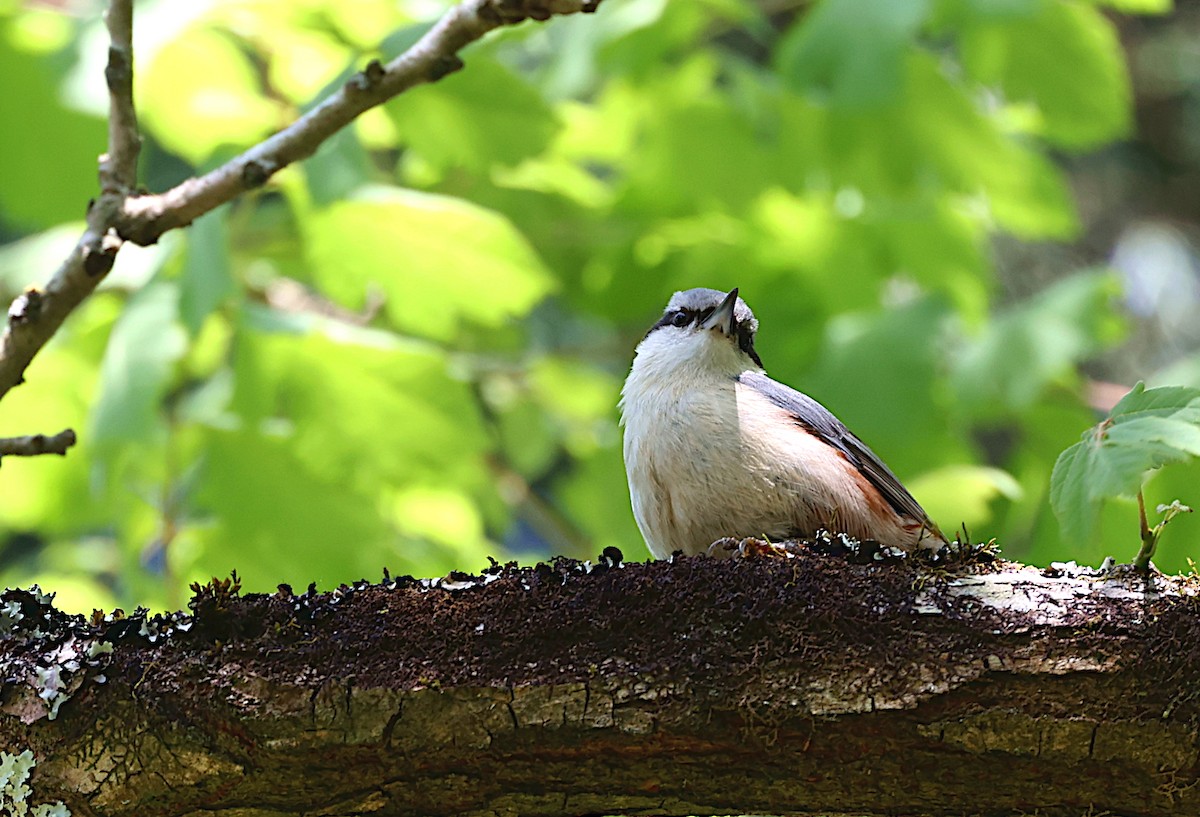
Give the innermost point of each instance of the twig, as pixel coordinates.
(120, 215)
(1149, 537)
(145, 218)
(118, 167)
(35, 444)
(36, 314)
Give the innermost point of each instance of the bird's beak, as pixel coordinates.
(722, 317)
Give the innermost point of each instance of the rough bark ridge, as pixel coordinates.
(782, 686)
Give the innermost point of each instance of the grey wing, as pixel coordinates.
(820, 421)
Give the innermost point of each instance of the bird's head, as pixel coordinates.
(703, 329)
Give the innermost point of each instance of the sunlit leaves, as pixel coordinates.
(355, 403)
(200, 94)
(845, 162)
(962, 495)
(50, 495)
(1065, 59)
(437, 261)
(1149, 428)
(474, 119)
(275, 518)
(40, 189)
(326, 421)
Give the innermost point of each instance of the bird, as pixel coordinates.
(714, 448)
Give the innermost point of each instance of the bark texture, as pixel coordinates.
(769, 686)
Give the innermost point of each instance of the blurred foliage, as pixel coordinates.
(407, 350)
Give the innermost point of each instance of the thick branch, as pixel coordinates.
(35, 444)
(795, 686)
(118, 215)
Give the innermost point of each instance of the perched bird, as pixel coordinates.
(715, 448)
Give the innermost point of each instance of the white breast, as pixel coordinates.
(708, 457)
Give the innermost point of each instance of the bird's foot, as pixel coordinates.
(751, 547)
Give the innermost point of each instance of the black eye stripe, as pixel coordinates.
(676, 317)
(685, 317)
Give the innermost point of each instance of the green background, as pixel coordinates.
(407, 350)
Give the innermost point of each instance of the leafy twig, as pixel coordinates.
(119, 214)
(36, 444)
(1151, 535)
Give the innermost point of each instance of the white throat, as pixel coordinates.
(670, 362)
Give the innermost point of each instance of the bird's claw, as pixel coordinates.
(749, 548)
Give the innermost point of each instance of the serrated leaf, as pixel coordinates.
(399, 242)
(1148, 429)
(1163, 400)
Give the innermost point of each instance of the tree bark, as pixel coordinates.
(780, 686)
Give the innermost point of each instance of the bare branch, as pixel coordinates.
(145, 218)
(119, 214)
(35, 444)
(118, 167)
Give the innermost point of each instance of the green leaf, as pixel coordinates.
(1066, 59)
(1024, 350)
(1146, 430)
(439, 262)
(1162, 401)
(138, 366)
(334, 433)
(679, 164)
(51, 495)
(340, 167)
(474, 119)
(38, 191)
(207, 279)
(850, 52)
(961, 494)
(940, 145)
(276, 518)
(1138, 6)
(200, 93)
(355, 403)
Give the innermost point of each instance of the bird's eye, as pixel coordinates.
(680, 318)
